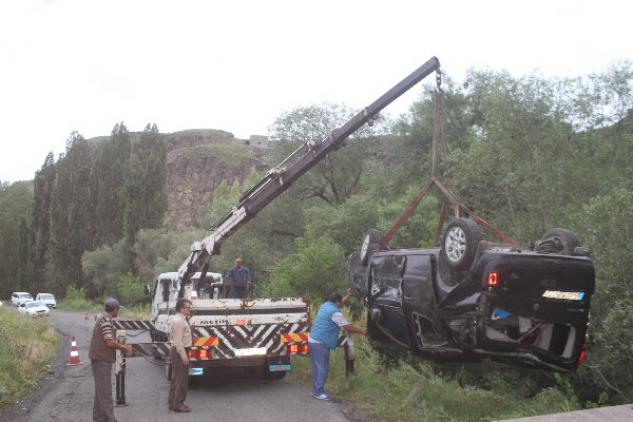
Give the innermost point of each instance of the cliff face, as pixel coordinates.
(197, 162)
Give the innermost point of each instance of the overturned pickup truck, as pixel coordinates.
(471, 299)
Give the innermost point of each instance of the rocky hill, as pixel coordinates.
(197, 162)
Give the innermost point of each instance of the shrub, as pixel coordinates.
(131, 290)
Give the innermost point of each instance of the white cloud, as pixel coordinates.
(85, 65)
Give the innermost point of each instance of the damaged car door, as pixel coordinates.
(386, 316)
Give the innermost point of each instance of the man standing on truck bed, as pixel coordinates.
(102, 356)
(323, 338)
(241, 280)
(180, 338)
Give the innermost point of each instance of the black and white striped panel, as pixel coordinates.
(132, 325)
(233, 337)
(154, 350)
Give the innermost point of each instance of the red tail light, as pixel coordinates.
(200, 354)
(492, 279)
(298, 348)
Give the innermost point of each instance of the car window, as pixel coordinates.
(33, 304)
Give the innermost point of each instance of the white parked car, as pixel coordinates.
(18, 298)
(34, 309)
(47, 299)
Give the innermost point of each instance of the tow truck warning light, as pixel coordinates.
(202, 353)
(298, 348)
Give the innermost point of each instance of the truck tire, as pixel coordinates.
(459, 243)
(371, 244)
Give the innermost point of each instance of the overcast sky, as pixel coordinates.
(236, 65)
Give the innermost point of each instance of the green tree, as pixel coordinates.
(315, 270)
(43, 186)
(111, 167)
(143, 196)
(72, 222)
(16, 201)
(338, 176)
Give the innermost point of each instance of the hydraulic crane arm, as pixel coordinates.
(279, 178)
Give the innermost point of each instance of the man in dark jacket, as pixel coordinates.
(240, 280)
(323, 338)
(102, 356)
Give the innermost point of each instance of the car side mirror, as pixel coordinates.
(148, 290)
(22, 305)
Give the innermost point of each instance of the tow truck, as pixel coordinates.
(263, 332)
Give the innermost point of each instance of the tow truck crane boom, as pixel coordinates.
(279, 178)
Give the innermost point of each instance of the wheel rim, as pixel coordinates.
(455, 244)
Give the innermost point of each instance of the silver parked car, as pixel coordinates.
(33, 309)
(18, 298)
(47, 299)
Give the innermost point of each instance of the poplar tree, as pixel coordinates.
(43, 185)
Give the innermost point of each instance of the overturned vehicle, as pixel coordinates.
(470, 299)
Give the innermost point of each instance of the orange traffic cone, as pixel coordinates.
(74, 354)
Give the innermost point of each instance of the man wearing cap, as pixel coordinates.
(181, 341)
(102, 356)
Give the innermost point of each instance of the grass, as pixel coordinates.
(27, 346)
(414, 392)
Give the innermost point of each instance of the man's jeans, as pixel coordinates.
(320, 359)
(103, 409)
(237, 292)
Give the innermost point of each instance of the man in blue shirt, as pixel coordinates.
(323, 338)
(240, 280)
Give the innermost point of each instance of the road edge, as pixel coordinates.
(22, 409)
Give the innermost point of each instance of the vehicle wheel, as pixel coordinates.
(562, 241)
(168, 371)
(459, 243)
(371, 244)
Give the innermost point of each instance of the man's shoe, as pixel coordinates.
(182, 408)
(322, 396)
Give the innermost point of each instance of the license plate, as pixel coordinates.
(279, 367)
(253, 351)
(196, 372)
(557, 294)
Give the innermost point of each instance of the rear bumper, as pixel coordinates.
(268, 363)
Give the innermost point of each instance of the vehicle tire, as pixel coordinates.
(459, 243)
(168, 371)
(566, 241)
(371, 244)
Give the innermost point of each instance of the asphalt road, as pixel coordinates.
(66, 393)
